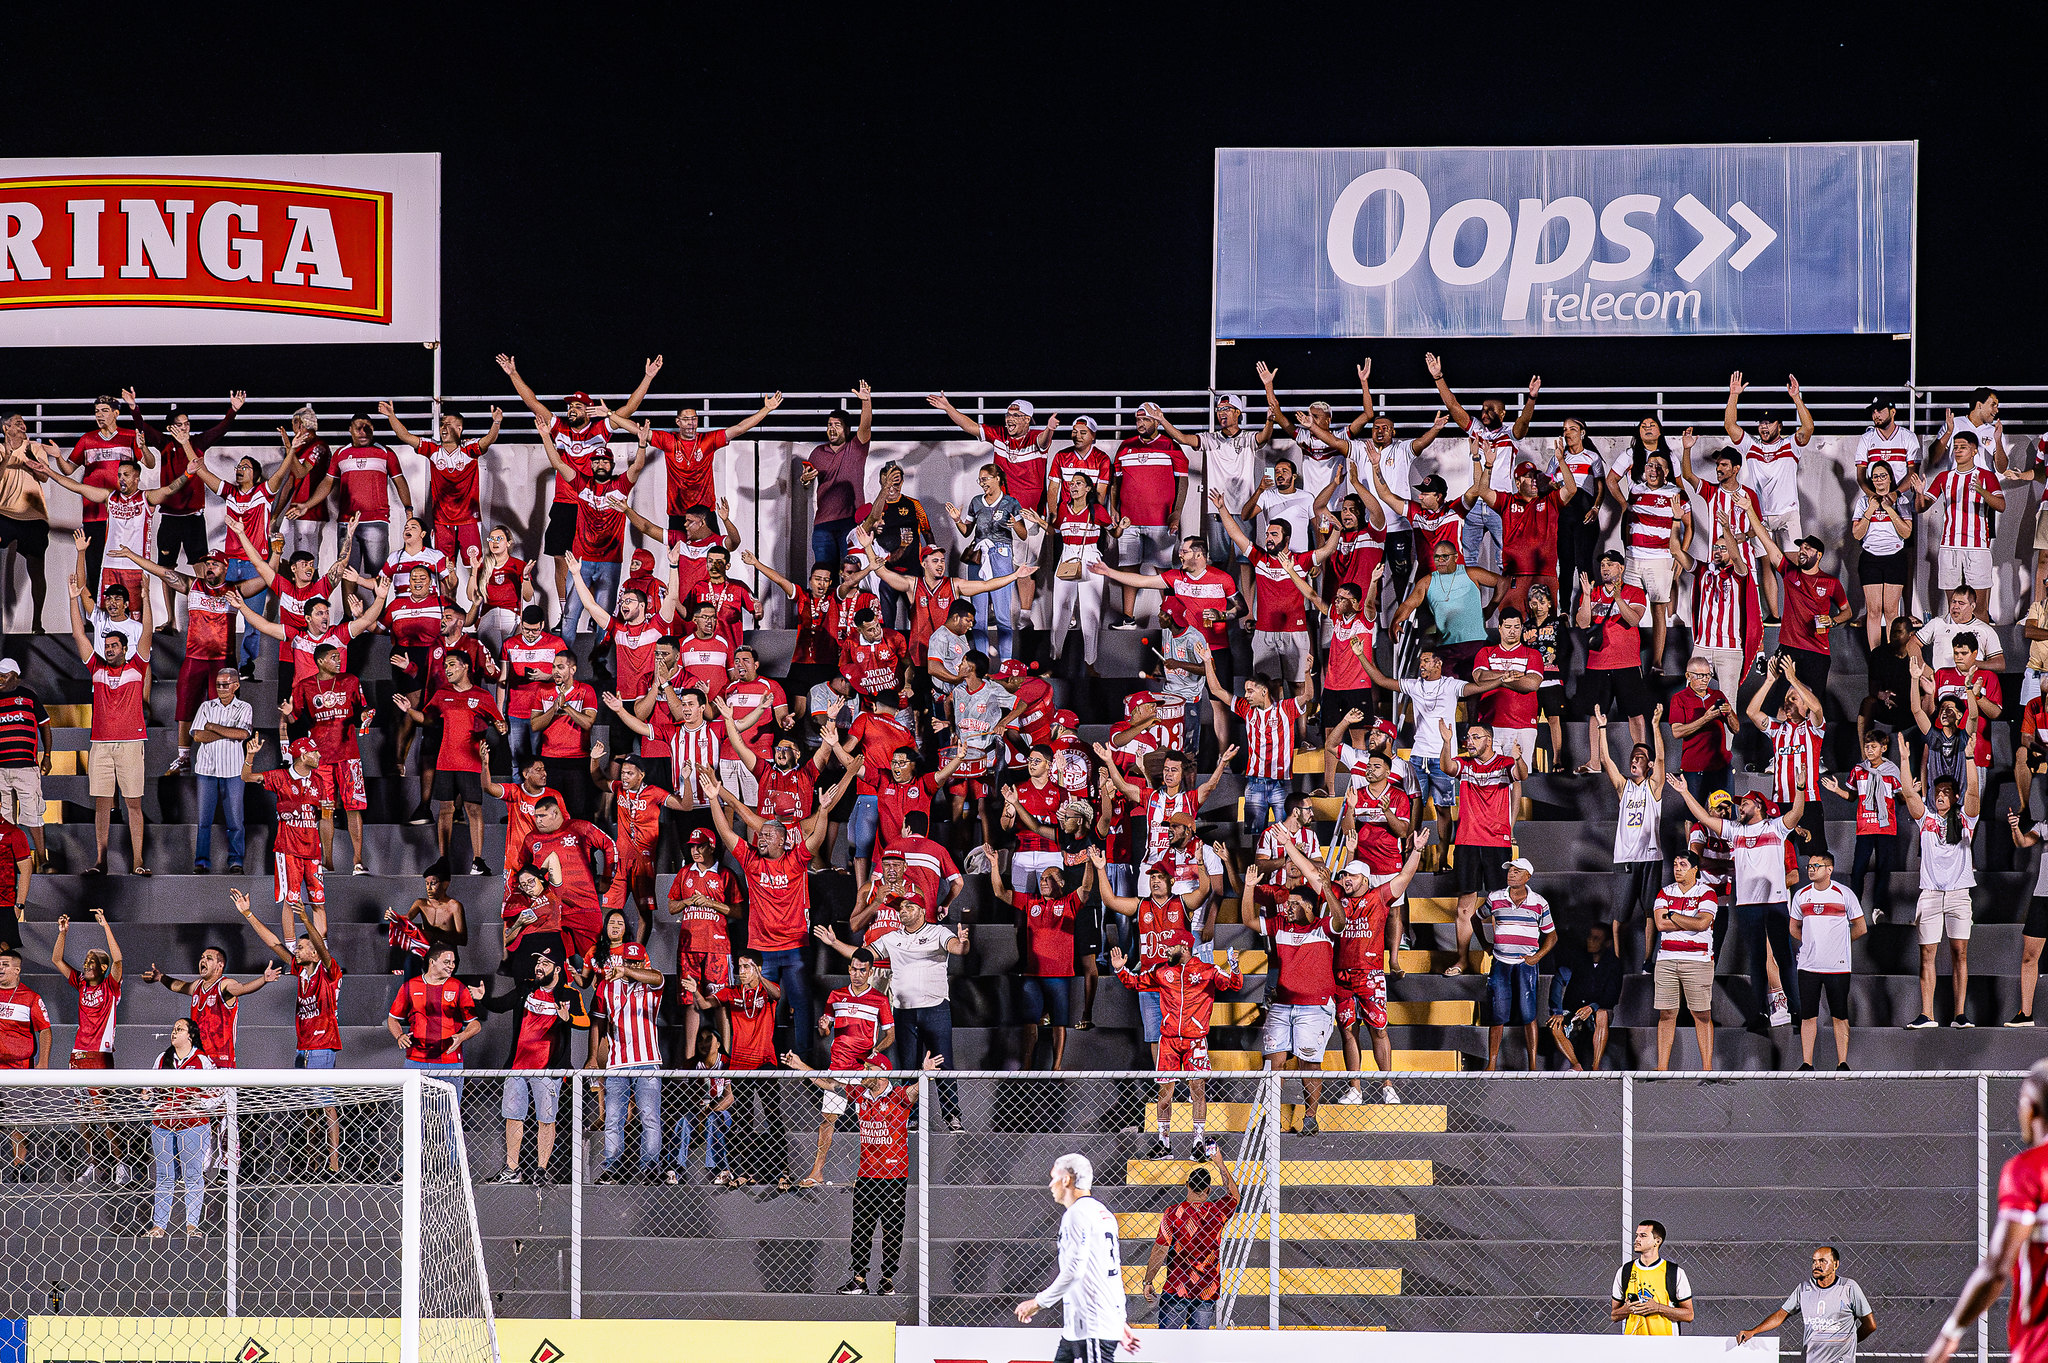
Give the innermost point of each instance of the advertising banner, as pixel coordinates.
(920, 1344)
(228, 250)
(1565, 241)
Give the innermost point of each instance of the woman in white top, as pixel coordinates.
(1638, 854)
(1948, 872)
(1882, 525)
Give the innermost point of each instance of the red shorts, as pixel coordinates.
(1362, 994)
(341, 784)
(1184, 1053)
(638, 873)
(195, 684)
(453, 539)
(580, 927)
(712, 969)
(91, 1060)
(129, 578)
(299, 881)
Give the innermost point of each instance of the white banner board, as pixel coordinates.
(933, 1344)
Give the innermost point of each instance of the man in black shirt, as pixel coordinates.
(24, 756)
(901, 530)
(1584, 992)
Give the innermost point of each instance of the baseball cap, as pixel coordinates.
(304, 746)
(891, 467)
(1065, 719)
(703, 836)
(1815, 543)
(216, 556)
(1020, 405)
(877, 1061)
(931, 549)
(579, 396)
(9, 665)
(1183, 819)
(1151, 409)
(1011, 667)
(1089, 422)
(1768, 414)
(1387, 727)
(1356, 868)
(1231, 400)
(1174, 609)
(1881, 402)
(1519, 864)
(893, 854)
(632, 951)
(1720, 800)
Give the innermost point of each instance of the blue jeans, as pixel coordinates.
(1511, 993)
(522, 742)
(603, 581)
(449, 1071)
(786, 968)
(241, 570)
(828, 543)
(1705, 783)
(1481, 521)
(716, 1124)
(929, 1031)
(180, 1154)
(1264, 798)
(1436, 785)
(643, 1086)
(1768, 927)
(222, 793)
(1185, 1313)
(860, 834)
(1002, 603)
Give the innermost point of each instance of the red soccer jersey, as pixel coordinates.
(465, 717)
(1159, 927)
(1169, 717)
(451, 482)
(1210, 590)
(415, 621)
(117, 700)
(879, 740)
(1269, 737)
(1187, 993)
(528, 666)
(1363, 945)
(209, 618)
(815, 641)
(2023, 1201)
(1510, 709)
(893, 801)
(778, 897)
(703, 928)
(689, 464)
(707, 663)
(298, 812)
(691, 569)
(787, 795)
(859, 1017)
(639, 815)
(1949, 684)
(1043, 804)
(1378, 848)
(501, 585)
(565, 738)
(600, 516)
(1351, 642)
(251, 509)
(319, 1015)
(434, 1014)
(1486, 806)
(1622, 645)
(1705, 749)
(365, 473)
(631, 1012)
(333, 704)
(539, 1011)
(101, 457)
(315, 460)
(1277, 604)
(1876, 790)
(1965, 506)
(483, 667)
(752, 1014)
(884, 1130)
(1307, 955)
(519, 807)
(293, 599)
(1146, 472)
(575, 445)
(1808, 599)
(1031, 712)
(22, 1017)
(1049, 934)
(1095, 463)
(761, 697)
(572, 846)
(1193, 1235)
(1445, 525)
(733, 601)
(214, 1014)
(873, 666)
(96, 1006)
(306, 644)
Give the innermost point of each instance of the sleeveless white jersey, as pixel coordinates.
(1635, 832)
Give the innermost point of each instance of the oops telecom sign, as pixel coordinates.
(1564, 241)
(227, 250)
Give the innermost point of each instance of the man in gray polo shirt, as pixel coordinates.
(1836, 1313)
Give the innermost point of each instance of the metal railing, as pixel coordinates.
(1477, 1202)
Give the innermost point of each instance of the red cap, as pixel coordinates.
(703, 837)
(303, 746)
(877, 1061)
(217, 556)
(1174, 609)
(632, 951)
(1065, 719)
(1387, 727)
(1011, 667)
(581, 397)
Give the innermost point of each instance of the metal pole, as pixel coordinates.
(1215, 203)
(483, 1274)
(1913, 290)
(410, 1226)
(929, 1121)
(1983, 1201)
(435, 346)
(231, 1147)
(1628, 1164)
(1273, 1201)
(576, 1198)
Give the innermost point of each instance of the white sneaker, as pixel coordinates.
(1351, 1098)
(1781, 1011)
(123, 1175)
(1387, 1094)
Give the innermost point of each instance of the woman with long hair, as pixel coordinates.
(1882, 524)
(1079, 524)
(1578, 525)
(180, 1132)
(992, 523)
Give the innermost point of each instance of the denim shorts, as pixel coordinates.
(1511, 993)
(1052, 996)
(1434, 784)
(1149, 1015)
(543, 1095)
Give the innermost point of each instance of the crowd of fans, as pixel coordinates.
(1378, 662)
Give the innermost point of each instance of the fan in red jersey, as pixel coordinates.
(98, 982)
(301, 644)
(301, 804)
(549, 1013)
(329, 709)
(2016, 1250)
(215, 1000)
(703, 897)
(466, 713)
(209, 620)
(635, 805)
(452, 467)
(862, 1025)
(24, 1033)
(120, 691)
(564, 848)
(1361, 961)
(432, 1016)
(317, 1021)
(96, 459)
(1187, 990)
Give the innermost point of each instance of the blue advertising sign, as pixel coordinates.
(1565, 241)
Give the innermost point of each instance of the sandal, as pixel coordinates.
(808, 1182)
(1084, 1025)
(1457, 969)
(142, 871)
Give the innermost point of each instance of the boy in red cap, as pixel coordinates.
(702, 896)
(296, 851)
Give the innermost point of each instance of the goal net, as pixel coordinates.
(247, 1215)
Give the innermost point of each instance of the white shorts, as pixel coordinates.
(1290, 648)
(1373, 882)
(1785, 528)
(1943, 913)
(734, 776)
(832, 1101)
(1962, 568)
(1653, 575)
(1025, 866)
(1300, 1029)
(1504, 741)
(1025, 551)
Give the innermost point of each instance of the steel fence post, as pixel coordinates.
(927, 1123)
(1628, 1164)
(1273, 1083)
(576, 1198)
(1983, 1200)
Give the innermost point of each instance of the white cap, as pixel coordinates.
(1519, 863)
(1088, 421)
(1357, 868)
(1231, 400)
(9, 665)
(1151, 409)
(1020, 405)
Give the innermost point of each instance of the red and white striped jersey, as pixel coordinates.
(1159, 807)
(689, 747)
(1269, 737)
(1965, 510)
(128, 521)
(859, 1016)
(1795, 759)
(1716, 856)
(1692, 943)
(1445, 525)
(630, 1010)
(1717, 595)
(96, 1005)
(1304, 838)
(1651, 510)
(214, 1014)
(1740, 510)
(1586, 466)
(1773, 470)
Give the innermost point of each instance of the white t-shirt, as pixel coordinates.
(1900, 449)
(1635, 830)
(1824, 917)
(1880, 537)
(1939, 639)
(1759, 860)
(129, 629)
(1394, 462)
(1297, 508)
(1091, 1277)
(1232, 462)
(1946, 865)
(221, 756)
(1772, 472)
(1434, 700)
(917, 965)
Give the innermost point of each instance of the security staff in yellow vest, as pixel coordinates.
(1651, 1294)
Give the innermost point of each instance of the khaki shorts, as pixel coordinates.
(1943, 913)
(115, 768)
(1786, 528)
(1690, 978)
(1653, 575)
(1962, 568)
(21, 795)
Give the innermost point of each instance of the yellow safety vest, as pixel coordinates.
(1649, 1284)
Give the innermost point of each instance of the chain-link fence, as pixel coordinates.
(1476, 1202)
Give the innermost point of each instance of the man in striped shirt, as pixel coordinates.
(1523, 934)
(627, 1011)
(1770, 463)
(1685, 913)
(1727, 624)
(1968, 494)
(1270, 722)
(1656, 533)
(1795, 746)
